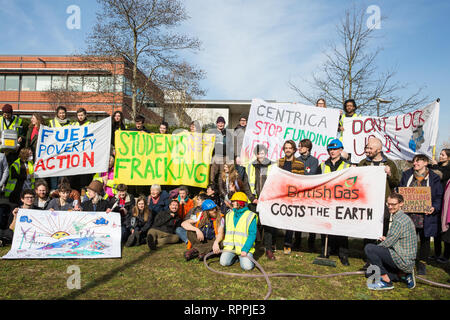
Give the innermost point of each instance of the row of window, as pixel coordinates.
(71, 83)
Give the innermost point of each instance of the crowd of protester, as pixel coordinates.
(223, 216)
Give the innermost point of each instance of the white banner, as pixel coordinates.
(72, 150)
(348, 202)
(272, 124)
(40, 234)
(403, 136)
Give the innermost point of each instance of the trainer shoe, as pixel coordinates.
(410, 280)
(380, 285)
(287, 250)
(191, 254)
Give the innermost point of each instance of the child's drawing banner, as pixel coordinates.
(403, 136)
(167, 159)
(272, 124)
(73, 150)
(45, 234)
(348, 202)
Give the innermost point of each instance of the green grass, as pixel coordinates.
(164, 275)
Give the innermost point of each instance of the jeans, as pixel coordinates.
(182, 233)
(381, 257)
(228, 258)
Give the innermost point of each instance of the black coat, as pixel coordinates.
(165, 222)
(102, 205)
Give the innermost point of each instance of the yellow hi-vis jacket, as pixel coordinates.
(15, 124)
(341, 121)
(327, 169)
(251, 172)
(54, 123)
(11, 184)
(235, 237)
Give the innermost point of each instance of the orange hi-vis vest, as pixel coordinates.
(216, 227)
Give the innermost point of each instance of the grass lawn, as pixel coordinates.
(165, 275)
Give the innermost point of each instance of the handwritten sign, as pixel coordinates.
(403, 136)
(272, 124)
(348, 202)
(72, 150)
(417, 199)
(178, 159)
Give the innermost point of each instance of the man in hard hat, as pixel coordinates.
(336, 163)
(205, 231)
(240, 236)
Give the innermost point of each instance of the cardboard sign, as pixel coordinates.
(417, 199)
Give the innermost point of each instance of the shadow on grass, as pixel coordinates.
(103, 279)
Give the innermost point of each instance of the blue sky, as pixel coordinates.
(252, 48)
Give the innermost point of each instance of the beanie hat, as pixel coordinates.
(220, 119)
(7, 108)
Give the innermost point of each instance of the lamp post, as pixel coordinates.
(380, 100)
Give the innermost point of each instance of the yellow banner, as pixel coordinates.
(167, 159)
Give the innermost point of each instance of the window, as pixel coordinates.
(90, 84)
(106, 84)
(28, 83)
(43, 83)
(2, 82)
(59, 82)
(12, 83)
(119, 83)
(75, 83)
(127, 90)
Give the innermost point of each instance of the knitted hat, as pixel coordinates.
(96, 186)
(7, 108)
(220, 119)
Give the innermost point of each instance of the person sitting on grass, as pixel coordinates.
(27, 198)
(123, 203)
(205, 231)
(42, 199)
(164, 226)
(63, 202)
(395, 255)
(241, 230)
(138, 223)
(95, 202)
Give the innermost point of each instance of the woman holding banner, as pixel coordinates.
(426, 223)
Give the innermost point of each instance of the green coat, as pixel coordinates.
(393, 180)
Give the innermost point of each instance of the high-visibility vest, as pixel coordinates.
(15, 124)
(54, 123)
(341, 121)
(76, 123)
(235, 237)
(11, 184)
(252, 175)
(109, 183)
(327, 169)
(215, 224)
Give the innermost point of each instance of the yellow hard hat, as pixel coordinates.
(239, 196)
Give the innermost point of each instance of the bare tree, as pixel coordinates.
(350, 72)
(141, 31)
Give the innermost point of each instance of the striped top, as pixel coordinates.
(401, 241)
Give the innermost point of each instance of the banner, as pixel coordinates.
(403, 136)
(72, 150)
(348, 202)
(417, 199)
(45, 234)
(166, 159)
(272, 124)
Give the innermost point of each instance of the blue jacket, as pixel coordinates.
(431, 222)
(161, 205)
